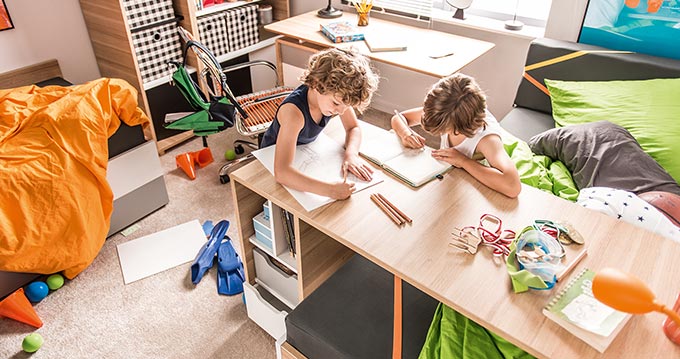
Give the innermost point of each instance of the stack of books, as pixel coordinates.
(342, 31)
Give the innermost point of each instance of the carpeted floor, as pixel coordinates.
(162, 316)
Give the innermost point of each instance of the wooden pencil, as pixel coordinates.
(394, 213)
(571, 265)
(402, 214)
(384, 209)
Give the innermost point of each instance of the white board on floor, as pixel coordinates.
(154, 253)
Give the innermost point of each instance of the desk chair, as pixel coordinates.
(253, 113)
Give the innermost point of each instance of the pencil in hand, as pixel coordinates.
(412, 134)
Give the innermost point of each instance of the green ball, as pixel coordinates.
(55, 281)
(32, 342)
(230, 155)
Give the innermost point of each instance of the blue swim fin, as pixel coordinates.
(206, 255)
(230, 276)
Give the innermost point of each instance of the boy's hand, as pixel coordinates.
(357, 166)
(341, 190)
(450, 156)
(413, 140)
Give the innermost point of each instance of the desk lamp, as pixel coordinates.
(460, 5)
(627, 293)
(329, 12)
(514, 24)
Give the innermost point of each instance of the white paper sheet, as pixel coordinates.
(148, 255)
(321, 159)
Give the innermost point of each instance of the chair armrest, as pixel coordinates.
(251, 64)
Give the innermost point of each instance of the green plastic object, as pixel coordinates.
(55, 281)
(32, 343)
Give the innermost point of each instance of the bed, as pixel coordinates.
(562, 161)
(72, 184)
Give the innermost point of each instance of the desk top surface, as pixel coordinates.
(476, 286)
(421, 43)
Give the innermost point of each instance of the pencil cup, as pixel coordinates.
(363, 18)
(671, 328)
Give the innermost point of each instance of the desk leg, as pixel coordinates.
(396, 338)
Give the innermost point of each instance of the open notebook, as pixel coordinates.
(413, 166)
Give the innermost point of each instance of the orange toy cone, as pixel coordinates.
(186, 163)
(16, 306)
(203, 157)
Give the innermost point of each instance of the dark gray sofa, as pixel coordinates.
(532, 111)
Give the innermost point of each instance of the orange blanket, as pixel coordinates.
(55, 202)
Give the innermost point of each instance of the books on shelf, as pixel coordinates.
(384, 43)
(413, 166)
(576, 310)
(342, 31)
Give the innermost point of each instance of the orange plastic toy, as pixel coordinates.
(16, 306)
(627, 293)
(187, 161)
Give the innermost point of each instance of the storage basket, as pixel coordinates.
(212, 31)
(146, 12)
(154, 48)
(242, 27)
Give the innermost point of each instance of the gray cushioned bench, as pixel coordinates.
(351, 315)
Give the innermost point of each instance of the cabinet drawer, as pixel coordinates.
(242, 27)
(154, 48)
(139, 13)
(265, 310)
(282, 285)
(212, 30)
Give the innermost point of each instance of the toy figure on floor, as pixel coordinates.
(230, 275)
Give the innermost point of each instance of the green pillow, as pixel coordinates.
(648, 109)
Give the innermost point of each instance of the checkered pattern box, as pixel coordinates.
(212, 31)
(154, 48)
(146, 12)
(242, 27)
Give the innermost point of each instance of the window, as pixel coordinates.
(531, 12)
(420, 9)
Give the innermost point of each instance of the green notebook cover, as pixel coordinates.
(576, 309)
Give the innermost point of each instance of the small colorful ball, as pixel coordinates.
(32, 343)
(55, 281)
(230, 155)
(36, 291)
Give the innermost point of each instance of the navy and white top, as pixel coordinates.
(310, 131)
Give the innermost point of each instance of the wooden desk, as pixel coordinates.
(421, 43)
(473, 285)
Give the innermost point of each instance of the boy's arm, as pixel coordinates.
(403, 130)
(352, 161)
(291, 121)
(501, 175)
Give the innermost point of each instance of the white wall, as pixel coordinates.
(564, 21)
(48, 29)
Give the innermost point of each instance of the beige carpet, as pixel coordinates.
(162, 316)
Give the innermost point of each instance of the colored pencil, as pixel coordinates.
(404, 216)
(384, 209)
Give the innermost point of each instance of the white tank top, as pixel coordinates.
(469, 144)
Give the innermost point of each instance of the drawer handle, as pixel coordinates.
(157, 36)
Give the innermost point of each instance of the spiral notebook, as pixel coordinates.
(415, 167)
(576, 310)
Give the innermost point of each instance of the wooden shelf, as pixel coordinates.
(223, 6)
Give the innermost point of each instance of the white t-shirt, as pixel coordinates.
(469, 144)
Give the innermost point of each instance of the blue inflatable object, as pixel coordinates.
(206, 255)
(36, 291)
(230, 276)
